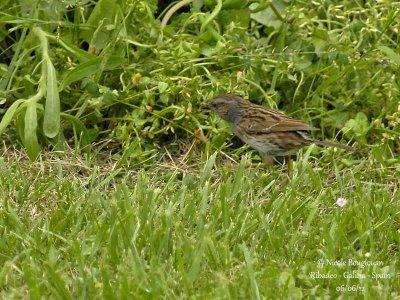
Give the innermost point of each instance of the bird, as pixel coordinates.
(270, 132)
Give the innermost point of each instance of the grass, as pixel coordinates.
(215, 230)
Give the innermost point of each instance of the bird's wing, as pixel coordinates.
(272, 121)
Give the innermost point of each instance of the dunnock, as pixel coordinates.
(268, 131)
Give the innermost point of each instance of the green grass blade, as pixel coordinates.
(250, 271)
(58, 284)
(208, 168)
(31, 280)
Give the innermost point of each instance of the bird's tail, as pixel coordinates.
(333, 144)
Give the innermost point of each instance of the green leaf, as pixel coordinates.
(301, 63)
(241, 17)
(5, 121)
(85, 135)
(321, 34)
(197, 4)
(101, 16)
(89, 68)
(51, 122)
(320, 39)
(234, 4)
(30, 136)
(267, 16)
(211, 16)
(393, 56)
(103, 9)
(80, 54)
(162, 87)
(358, 127)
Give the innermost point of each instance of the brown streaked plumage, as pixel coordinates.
(268, 131)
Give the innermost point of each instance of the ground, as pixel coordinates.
(72, 228)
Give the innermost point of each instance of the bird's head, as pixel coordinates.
(226, 106)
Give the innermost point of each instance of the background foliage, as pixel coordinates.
(106, 71)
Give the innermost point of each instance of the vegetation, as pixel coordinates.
(114, 183)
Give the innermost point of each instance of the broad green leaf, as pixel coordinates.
(162, 87)
(51, 122)
(196, 6)
(103, 9)
(89, 68)
(301, 63)
(241, 17)
(5, 121)
(30, 136)
(267, 16)
(320, 39)
(393, 56)
(234, 4)
(101, 16)
(359, 125)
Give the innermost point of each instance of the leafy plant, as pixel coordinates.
(82, 71)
